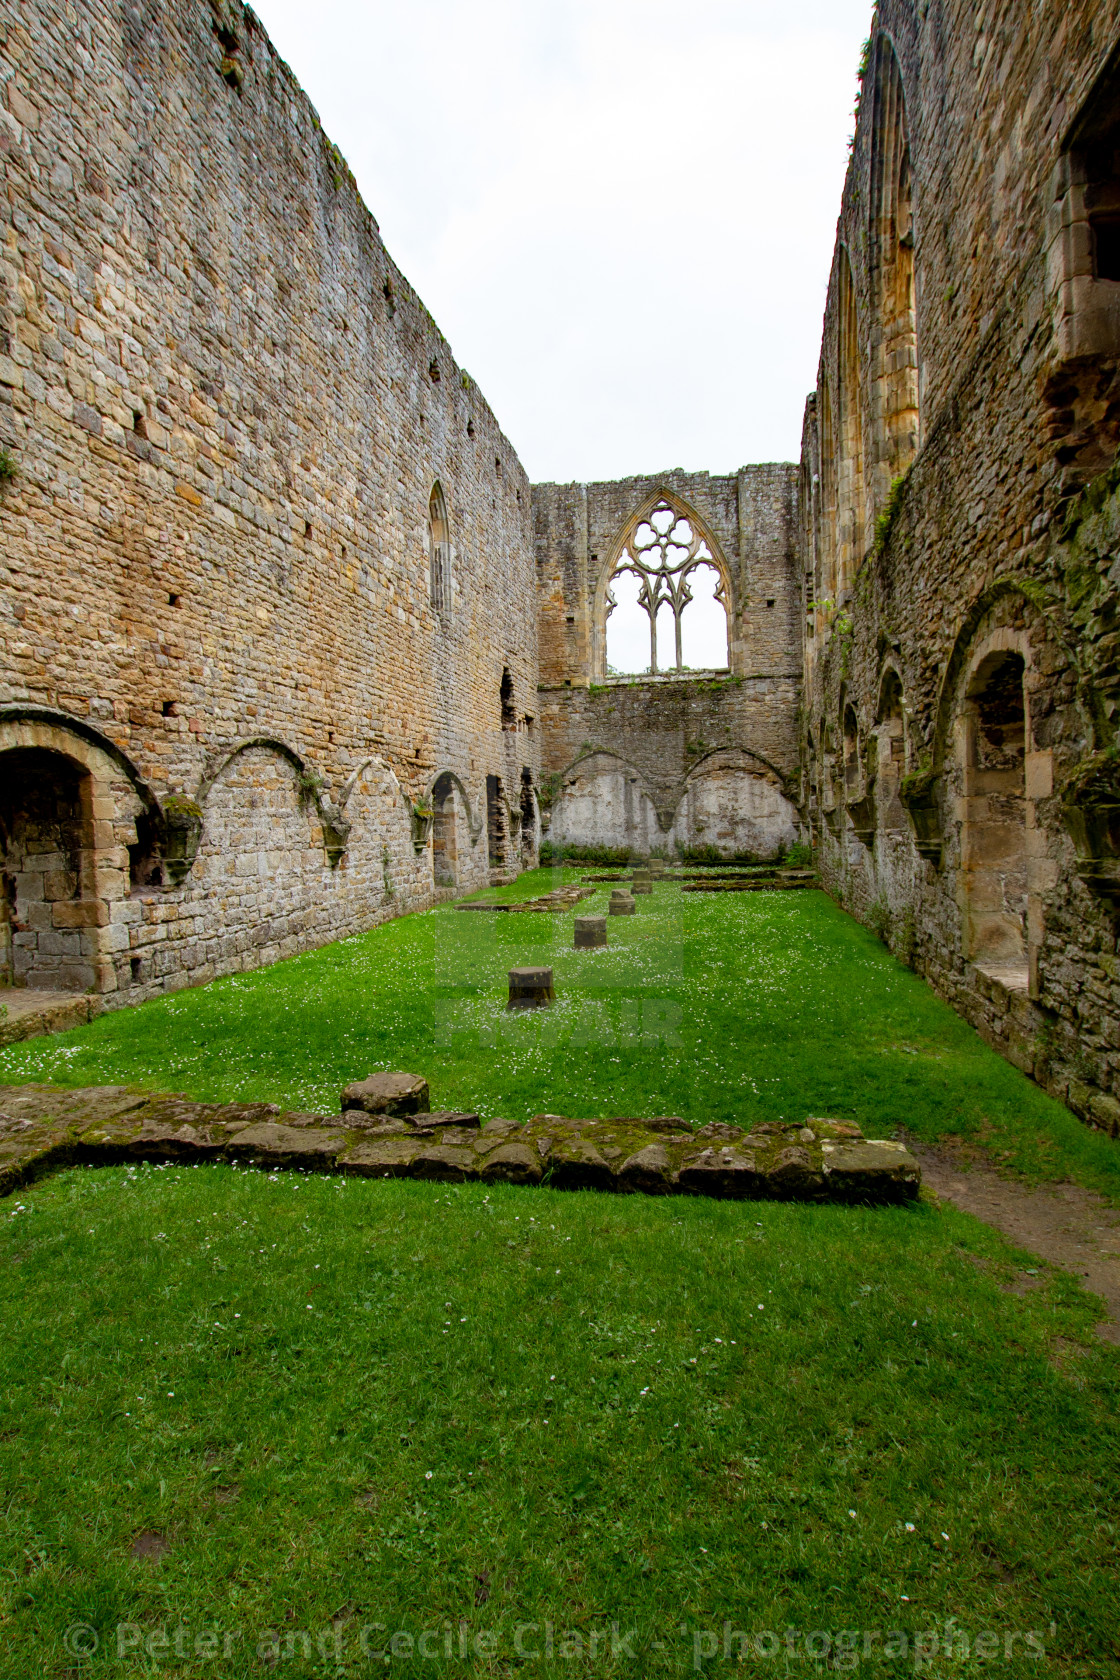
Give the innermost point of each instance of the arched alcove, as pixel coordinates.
(733, 806)
(994, 860)
(603, 800)
(890, 722)
(853, 775)
(445, 832)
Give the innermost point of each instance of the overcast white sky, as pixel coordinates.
(620, 212)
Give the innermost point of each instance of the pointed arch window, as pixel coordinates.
(666, 566)
(439, 553)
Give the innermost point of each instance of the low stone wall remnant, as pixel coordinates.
(44, 1129)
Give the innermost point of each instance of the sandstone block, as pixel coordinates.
(576, 1164)
(793, 1172)
(530, 988)
(648, 1170)
(875, 1170)
(444, 1162)
(511, 1163)
(590, 932)
(285, 1146)
(725, 1172)
(380, 1157)
(388, 1093)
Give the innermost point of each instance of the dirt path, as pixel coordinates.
(1072, 1228)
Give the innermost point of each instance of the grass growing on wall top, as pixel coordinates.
(733, 1007)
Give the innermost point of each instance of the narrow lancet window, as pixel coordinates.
(439, 553)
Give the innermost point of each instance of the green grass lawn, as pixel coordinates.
(382, 1426)
(725, 1007)
(354, 1403)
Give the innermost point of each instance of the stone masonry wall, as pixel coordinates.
(689, 759)
(228, 409)
(987, 564)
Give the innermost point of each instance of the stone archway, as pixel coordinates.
(49, 896)
(68, 813)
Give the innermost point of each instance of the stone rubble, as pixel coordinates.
(388, 1131)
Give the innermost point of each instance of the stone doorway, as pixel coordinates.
(48, 907)
(528, 818)
(445, 838)
(497, 826)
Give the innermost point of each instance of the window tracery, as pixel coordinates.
(669, 558)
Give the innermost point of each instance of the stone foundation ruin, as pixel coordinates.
(291, 645)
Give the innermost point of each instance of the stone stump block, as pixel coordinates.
(643, 881)
(622, 903)
(591, 931)
(657, 868)
(388, 1093)
(530, 988)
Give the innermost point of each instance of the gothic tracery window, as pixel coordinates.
(665, 566)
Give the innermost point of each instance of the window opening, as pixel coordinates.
(505, 693)
(439, 553)
(666, 566)
(852, 777)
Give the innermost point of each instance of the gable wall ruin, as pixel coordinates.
(681, 761)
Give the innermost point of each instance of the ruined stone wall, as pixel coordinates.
(960, 583)
(227, 410)
(685, 760)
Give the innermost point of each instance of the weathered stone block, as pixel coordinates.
(530, 988)
(649, 1170)
(590, 932)
(511, 1163)
(388, 1093)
